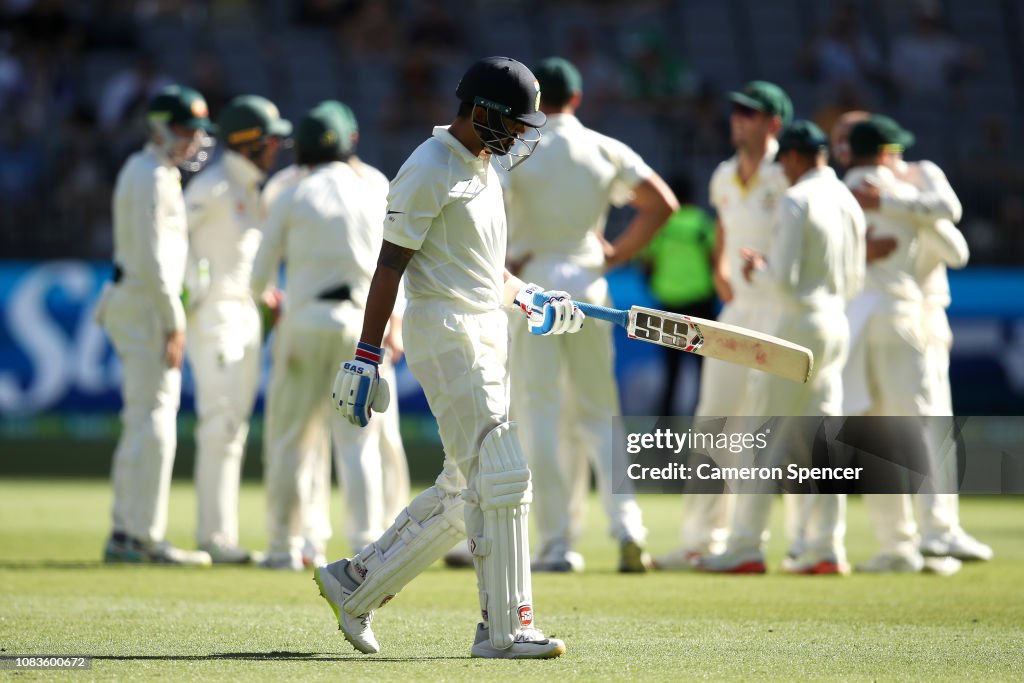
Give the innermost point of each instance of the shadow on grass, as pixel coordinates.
(273, 656)
(52, 564)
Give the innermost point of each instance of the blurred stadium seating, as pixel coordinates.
(74, 75)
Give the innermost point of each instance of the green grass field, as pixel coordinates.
(144, 622)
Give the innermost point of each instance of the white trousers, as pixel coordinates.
(939, 513)
(150, 393)
(888, 370)
(384, 429)
(815, 522)
(461, 362)
(224, 351)
(564, 396)
(707, 517)
(310, 343)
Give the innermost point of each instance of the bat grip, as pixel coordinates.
(612, 315)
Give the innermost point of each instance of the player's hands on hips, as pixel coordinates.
(358, 388)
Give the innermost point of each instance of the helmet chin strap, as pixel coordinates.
(502, 142)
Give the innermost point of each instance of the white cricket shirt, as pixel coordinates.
(447, 205)
(816, 260)
(558, 200)
(287, 177)
(747, 213)
(225, 216)
(894, 276)
(151, 232)
(327, 230)
(941, 243)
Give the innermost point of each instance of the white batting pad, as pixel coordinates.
(504, 495)
(422, 533)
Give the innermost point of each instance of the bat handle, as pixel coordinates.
(612, 315)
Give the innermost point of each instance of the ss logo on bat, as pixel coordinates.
(662, 330)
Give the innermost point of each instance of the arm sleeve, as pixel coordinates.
(946, 243)
(783, 270)
(154, 197)
(416, 198)
(935, 200)
(196, 213)
(856, 250)
(630, 170)
(271, 251)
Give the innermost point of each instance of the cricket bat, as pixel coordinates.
(710, 339)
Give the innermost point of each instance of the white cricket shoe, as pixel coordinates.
(165, 553)
(958, 544)
(941, 566)
(557, 558)
(811, 566)
(680, 559)
(229, 554)
(529, 643)
(336, 586)
(748, 562)
(313, 554)
(282, 562)
(892, 563)
(121, 548)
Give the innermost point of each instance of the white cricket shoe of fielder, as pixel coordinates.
(680, 559)
(529, 643)
(281, 562)
(941, 566)
(336, 586)
(231, 554)
(958, 544)
(313, 554)
(557, 558)
(733, 562)
(165, 553)
(892, 563)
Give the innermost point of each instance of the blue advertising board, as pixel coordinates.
(54, 358)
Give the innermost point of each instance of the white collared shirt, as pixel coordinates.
(816, 260)
(225, 218)
(747, 213)
(327, 230)
(558, 200)
(151, 233)
(447, 205)
(894, 276)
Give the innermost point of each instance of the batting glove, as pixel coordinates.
(550, 312)
(358, 387)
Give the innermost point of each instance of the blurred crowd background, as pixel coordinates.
(75, 77)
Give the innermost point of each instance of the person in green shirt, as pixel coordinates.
(680, 278)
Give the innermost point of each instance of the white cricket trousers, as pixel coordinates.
(888, 367)
(567, 382)
(311, 341)
(224, 351)
(707, 516)
(461, 361)
(384, 428)
(939, 513)
(150, 392)
(815, 522)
